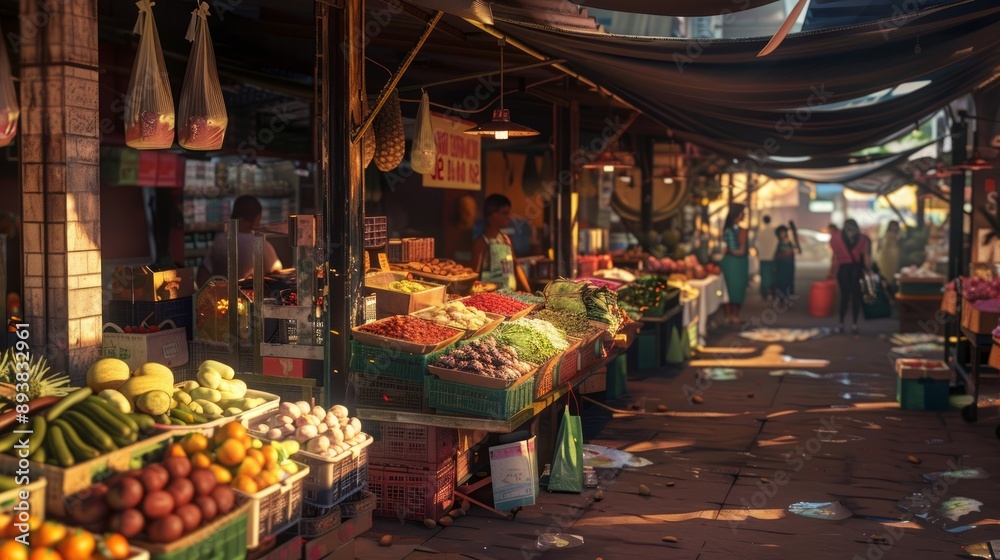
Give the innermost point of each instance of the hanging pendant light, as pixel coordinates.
(500, 126)
(609, 161)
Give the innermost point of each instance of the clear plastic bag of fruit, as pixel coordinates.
(202, 110)
(149, 104)
(423, 152)
(9, 111)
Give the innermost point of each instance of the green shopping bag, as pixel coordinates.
(566, 474)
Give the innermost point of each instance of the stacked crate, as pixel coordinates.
(412, 470)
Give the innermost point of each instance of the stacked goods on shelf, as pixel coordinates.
(330, 442)
(439, 267)
(417, 249)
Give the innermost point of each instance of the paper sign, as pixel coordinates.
(514, 468)
(459, 158)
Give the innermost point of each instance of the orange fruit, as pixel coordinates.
(13, 550)
(257, 455)
(116, 547)
(49, 534)
(201, 460)
(176, 450)
(231, 453)
(270, 454)
(232, 430)
(249, 467)
(195, 443)
(44, 554)
(267, 478)
(244, 483)
(78, 545)
(222, 474)
(12, 531)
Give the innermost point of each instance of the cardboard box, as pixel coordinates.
(514, 468)
(389, 302)
(142, 284)
(292, 367)
(916, 368)
(979, 322)
(922, 384)
(168, 347)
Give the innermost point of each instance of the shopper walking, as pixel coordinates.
(735, 263)
(888, 254)
(852, 255)
(784, 264)
(766, 243)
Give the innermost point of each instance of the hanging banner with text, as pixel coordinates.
(459, 161)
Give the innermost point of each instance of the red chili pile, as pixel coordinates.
(410, 329)
(493, 303)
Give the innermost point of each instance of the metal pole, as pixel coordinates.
(566, 126)
(646, 212)
(957, 263)
(233, 313)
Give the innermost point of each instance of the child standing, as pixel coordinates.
(784, 264)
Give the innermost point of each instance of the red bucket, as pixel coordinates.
(822, 297)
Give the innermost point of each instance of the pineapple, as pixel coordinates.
(40, 384)
(390, 144)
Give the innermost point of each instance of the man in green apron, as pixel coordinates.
(492, 253)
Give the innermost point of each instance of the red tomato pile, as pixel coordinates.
(410, 329)
(493, 303)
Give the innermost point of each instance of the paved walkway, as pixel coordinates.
(724, 472)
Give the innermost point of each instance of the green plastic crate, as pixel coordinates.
(390, 363)
(922, 394)
(224, 538)
(644, 354)
(617, 378)
(499, 404)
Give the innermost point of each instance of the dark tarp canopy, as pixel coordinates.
(822, 14)
(680, 8)
(718, 94)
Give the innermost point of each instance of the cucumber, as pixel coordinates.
(103, 417)
(90, 431)
(115, 412)
(163, 419)
(72, 399)
(144, 421)
(182, 416)
(40, 455)
(80, 450)
(37, 437)
(8, 442)
(61, 452)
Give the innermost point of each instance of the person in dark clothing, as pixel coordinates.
(852, 254)
(784, 264)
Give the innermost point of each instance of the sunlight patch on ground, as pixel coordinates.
(780, 440)
(654, 445)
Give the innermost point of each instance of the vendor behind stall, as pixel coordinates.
(248, 211)
(492, 254)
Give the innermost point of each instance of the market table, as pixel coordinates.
(981, 345)
(712, 294)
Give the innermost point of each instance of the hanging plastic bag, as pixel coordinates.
(9, 111)
(149, 105)
(423, 152)
(567, 461)
(202, 110)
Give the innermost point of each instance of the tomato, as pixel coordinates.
(78, 545)
(115, 547)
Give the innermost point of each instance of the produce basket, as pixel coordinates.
(275, 508)
(225, 537)
(569, 367)
(402, 345)
(330, 481)
(64, 482)
(410, 445)
(589, 352)
(208, 428)
(530, 307)
(466, 378)
(413, 494)
(547, 375)
(36, 498)
(390, 363)
(486, 329)
(316, 520)
(391, 302)
(500, 404)
(376, 391)
(359, 504)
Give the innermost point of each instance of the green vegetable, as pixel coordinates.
(555, 335)
(531, 345)
(407, 286)
(573, 324)
(598, 304)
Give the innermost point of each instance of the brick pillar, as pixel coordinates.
(60, 181)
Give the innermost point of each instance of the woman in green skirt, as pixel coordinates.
(735, 264)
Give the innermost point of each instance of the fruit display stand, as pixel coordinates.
(64, 482)
(331, 481)
(275, 508)
(208, 428)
